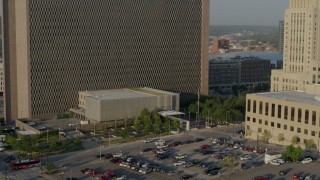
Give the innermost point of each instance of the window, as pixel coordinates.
(248, 127)
(313, 133)
(278, 125)
(306, 117)
(267, 109)
(279, 111)
(292, 113)
(291, 128)
(285, 112)
(298, 140)
(272, 124)
(248, 118)
(314, 115)
(259, 130)
(254, 120)
(285, 127)
(299, 130)
(273, 106)
(254, 106)
(260, 107)
(266, 122)
(299, 115)
(306, 131)
(260, 121)
(249, 105)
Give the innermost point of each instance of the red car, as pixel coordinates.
(261, 178)
(93, 173)
(250, 149)
(205, 146)
(103, 178)
(295, 176)
(108, 173)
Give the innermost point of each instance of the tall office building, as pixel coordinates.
(55, 48)
(281, 36)
(301, 54)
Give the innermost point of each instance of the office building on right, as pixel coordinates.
(290, 113)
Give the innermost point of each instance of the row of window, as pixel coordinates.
(283, 112)
(284, 126)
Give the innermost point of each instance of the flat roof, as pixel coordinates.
(116, 94)
(293, 96)
(26, 132)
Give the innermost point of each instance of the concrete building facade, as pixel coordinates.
(291, 114)
(220, 44)
(301, 53)
(119, 104)
(54, 49)
(1, 79)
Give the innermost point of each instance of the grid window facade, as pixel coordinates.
(78, 45)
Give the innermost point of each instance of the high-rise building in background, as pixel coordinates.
(281, 35)
(54, 49)
(301, 53)
(291, 112)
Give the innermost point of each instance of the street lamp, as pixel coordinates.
(47, 135)
(227, 117)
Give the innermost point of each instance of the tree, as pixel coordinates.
(294, 140)
(65, 144)
(193, 108)
(53, 146)
(294, 153)
(50, 168)
(309, 144)
(146, 124)
(157, 123)
(125, 133)
(77, 142)
(137, 124)
(266, 136)
(227, 162)
(280, 137)
(175, 123)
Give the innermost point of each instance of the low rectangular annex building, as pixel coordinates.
(287, 114)
(117, 104)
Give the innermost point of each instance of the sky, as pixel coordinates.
(247, 12)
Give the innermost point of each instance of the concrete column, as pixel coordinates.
(188, 126)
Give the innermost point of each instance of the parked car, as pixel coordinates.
(205, 146)
(147, 149)
(261, 178)
(284, 172)
(199, 139)
(108, 156)
(187, 176)
(73, 124)
(117, 154)
(306, 161)
(245, 157)
(295, 176)
(148, 140)
(258, 163)
(145, 170)
(178, 163)
(85, 170)
(277, 162)
(180, 156)
(308, 178)
(189, 141)
(173, 172)
(162, 146)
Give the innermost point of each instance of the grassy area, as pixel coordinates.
(134, 139)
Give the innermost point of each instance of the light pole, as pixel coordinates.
(227, 117)
(94, 129)
(47, 135)
(59, 134)
(109, 138)
(100, 149)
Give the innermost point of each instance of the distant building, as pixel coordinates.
(119, 104)
(240, 71)
(281, 35)
(220, 46)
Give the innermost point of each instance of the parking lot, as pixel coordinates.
(76, 161)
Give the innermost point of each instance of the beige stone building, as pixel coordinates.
(287, 114)
(292, 108)
(301, 53)
(55, 48)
